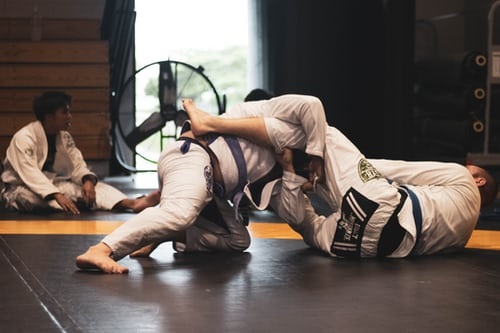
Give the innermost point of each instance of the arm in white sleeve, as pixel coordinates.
(291, 203)
(302, 123)
(80, 168)
(295, 208)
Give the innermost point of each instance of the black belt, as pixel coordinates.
(393, 233)
(257, 186)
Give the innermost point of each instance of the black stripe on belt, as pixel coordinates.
(393, 233)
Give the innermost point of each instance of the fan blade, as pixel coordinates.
(167, 92)
(151, 125)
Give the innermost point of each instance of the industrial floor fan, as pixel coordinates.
(149, 110)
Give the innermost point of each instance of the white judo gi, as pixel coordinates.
(27, 185)
(363, 197)
(368, 192)
(186, 180)
(436, 204)
(449, 200)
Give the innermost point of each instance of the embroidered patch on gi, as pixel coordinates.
(356, 210)
(367, 171)
(209, 179)
(68, 139)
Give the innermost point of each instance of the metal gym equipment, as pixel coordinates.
(490, 156)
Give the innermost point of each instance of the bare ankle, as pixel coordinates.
(101, 248)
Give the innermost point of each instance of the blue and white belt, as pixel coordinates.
(417, 214)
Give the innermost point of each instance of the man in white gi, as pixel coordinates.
(190, 171)
(185, 173)
(381, 208)
(43, 170)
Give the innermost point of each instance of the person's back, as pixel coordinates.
(258, 161)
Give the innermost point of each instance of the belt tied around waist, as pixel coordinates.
(237, 195)
(393, 233)
(417, 215)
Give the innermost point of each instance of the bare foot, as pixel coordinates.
(98, 257)
(200, 120)
(150, 200)
(145, 251)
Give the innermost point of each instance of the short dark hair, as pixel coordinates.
(490, 190)
(258, 94)
(49, 102)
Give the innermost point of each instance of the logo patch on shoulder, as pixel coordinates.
(367, 171)
(208, 177)
(70, 143)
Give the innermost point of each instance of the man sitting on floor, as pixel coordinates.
(45, 171)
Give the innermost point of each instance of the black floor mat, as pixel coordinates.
(276, 286)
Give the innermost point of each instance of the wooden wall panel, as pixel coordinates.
(12, 122)
(78, 67)
(52, 29)
(82, 123)
(4, 143)
(83, 99)
(53, 52)
(47, 76)
(94, 147)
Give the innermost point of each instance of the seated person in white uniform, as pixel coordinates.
(43, 170)
(381, 208)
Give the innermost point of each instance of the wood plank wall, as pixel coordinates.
(70, 57)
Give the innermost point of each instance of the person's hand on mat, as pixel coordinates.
(88, 193)
(66, 204)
